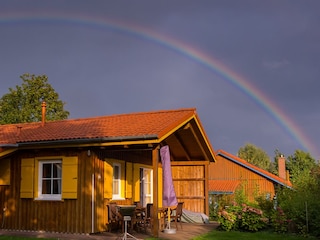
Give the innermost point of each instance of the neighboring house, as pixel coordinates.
(60, 175)
(230, 173)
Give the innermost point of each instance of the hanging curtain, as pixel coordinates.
(169, 195)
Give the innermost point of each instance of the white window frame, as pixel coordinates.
(116, 181)
(47, 196)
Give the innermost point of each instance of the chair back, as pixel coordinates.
(179, 209)
(149, 210)
(113, 211)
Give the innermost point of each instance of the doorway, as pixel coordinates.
(146, 186)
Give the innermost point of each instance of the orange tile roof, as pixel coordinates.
(223, 186)
(141, 124)
(254, 168)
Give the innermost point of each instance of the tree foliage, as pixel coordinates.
(255, 156)
(23, 104)
(300, 166)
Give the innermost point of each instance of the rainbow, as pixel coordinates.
(184, 49)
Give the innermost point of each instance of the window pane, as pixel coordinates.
(46, 186)
(46, 170)
(116, 172)
(56, 187)
(57, 170)
(115, 187)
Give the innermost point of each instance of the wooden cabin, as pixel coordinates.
(231, 173)
(59, 176)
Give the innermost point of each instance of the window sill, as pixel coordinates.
(49, 199)
(118, 198)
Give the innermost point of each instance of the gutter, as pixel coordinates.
(9, 145)
(92, 140)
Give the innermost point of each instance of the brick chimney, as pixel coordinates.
(43, 106)
(282, 167)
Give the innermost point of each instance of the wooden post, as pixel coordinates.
(206, 189)
(155, 164)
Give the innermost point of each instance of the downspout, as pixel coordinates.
(92, 203)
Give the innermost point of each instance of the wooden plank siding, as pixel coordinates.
(75, 215)
(252, 183)
(68, 215)
(190, 183)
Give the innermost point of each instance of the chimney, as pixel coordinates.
(43, 106)
(282, 167)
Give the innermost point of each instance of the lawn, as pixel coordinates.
(220, 235)
(23, 238)
(213, 235)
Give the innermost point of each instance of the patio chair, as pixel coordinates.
(149, 216)
(114, 217)
(176, 214)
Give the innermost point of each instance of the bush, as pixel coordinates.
(279, 221)
(244, 218)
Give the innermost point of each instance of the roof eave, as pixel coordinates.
(101, 140)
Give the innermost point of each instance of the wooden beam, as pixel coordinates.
(206, 189)
(189, 163)
(155, 164)
(189, 126)
(182, 146)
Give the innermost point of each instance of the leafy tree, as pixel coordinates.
(300, 166)
(255, 156)
(23, 104)
(302, 203)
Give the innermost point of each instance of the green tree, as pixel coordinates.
(23, 104)
(300, 166)
(255, 156)
(302, 203)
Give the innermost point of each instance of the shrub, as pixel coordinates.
(279, 221)
(245, 218)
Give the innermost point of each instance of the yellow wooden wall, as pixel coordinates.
(75, 215)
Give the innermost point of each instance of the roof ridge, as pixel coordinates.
(101, 117)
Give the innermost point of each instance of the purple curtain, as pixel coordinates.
(169, 195)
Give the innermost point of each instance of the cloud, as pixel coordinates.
(275, 64)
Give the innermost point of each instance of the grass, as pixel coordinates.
(213, 235)
(23, 238)
(220, 235)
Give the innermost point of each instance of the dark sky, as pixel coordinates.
(250, 68)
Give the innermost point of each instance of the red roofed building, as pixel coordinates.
(230, 173)
(59, 176)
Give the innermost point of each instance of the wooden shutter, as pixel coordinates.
(136, 181)
(108, 175)
(129, 179)
(69, 177)
(27, 178)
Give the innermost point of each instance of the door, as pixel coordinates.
(145, 186)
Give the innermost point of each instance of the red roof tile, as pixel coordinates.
(223, 186)
(254, 168)
(155, 123)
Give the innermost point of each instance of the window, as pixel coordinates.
(116, 181)
(50, 179)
